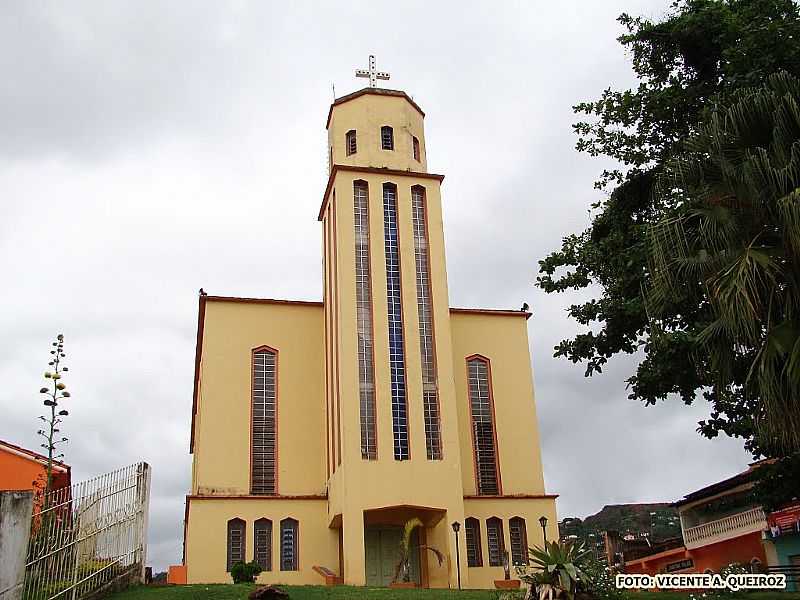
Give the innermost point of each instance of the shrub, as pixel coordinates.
(245, 572)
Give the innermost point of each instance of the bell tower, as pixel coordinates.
(392, 425)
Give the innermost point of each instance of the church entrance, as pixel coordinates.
(382, 553)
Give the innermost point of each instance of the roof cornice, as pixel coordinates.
(372, 171)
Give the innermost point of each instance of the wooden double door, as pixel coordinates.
(382, 553)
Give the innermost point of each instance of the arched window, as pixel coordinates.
(519, 541)
(262, 538)
(484, 439)
(236, 542)
(351, 145)
(289, 544)
(397, 360)
(472, 532)
(387, 138)
(264, 422)
(495, 541)
(366, 370)
(415, 147)
(430, 394)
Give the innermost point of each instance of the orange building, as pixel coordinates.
(20, 469)
(721, 524)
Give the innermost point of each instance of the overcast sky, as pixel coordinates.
(148, 149)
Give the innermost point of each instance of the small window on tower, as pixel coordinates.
(350, 142)
(387, 138)
(415, 144)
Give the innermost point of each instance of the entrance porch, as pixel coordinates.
(383, 532)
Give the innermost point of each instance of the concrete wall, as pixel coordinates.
(16, 508)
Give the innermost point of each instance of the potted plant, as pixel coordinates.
(506, 583)
(402, 575)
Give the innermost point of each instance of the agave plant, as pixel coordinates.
(557, 569)
(403, 570)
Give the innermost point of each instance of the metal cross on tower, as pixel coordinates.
(372, 73)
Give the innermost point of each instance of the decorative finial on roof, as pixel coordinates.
(372, 74)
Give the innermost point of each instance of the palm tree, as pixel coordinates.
(731, 245)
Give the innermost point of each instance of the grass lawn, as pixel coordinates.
(343, 592)
(300, 592)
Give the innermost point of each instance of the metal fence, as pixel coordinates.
(88, 535)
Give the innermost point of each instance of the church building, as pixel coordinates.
(320, 428)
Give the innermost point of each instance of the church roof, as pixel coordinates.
(373, 91)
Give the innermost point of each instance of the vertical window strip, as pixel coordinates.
(326, 303)
(472, 531)
(351, 142)
(397, 365)
(236, 542)
(415, 145)
(495, 542)
(387, 138)
(289, 550)
(264, 423)
(483, 438)
(430, 395)
(366, 368)
(519, 541)
(262, 541)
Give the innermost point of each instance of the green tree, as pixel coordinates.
(730, 245)
(694, 59)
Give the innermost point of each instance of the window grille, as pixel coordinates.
(483, 433)
(430, 394)
(366, 368)
(519, 541)
(236, 542)
(289, 534)
(415, 146)
(494, 540)
(264, 422)
(262, 538)
(351, 142)
(472, 531)
(397, 364)
(387, 138)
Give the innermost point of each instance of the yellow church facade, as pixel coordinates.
(320, 428)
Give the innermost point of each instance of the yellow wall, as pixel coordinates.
(504, 341)
(222, 440)
(367, 114)
(530, 510)
(206, 542)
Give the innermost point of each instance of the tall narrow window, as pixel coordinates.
(289, 541)
(472, 531)
(495, 542)
(483, 434)
(262, 538)
(430, 395)
(519, 541)
(366, 369)
(350, 142)
(415, 147)
(397, 361)
(264, 421)
(387, 138)
(236, 541)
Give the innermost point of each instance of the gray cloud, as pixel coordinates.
(149, 149)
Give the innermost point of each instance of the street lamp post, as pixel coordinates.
(543, 523)
(456, 526)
